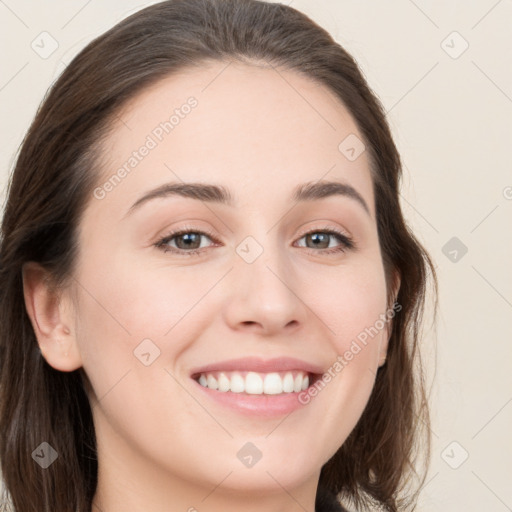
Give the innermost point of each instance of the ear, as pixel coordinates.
(390, 313)
(52, 317)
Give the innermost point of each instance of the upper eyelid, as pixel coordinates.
(202, 231)
(181, 231)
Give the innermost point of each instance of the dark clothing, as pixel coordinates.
(327, 502)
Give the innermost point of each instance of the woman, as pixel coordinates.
(210, 298)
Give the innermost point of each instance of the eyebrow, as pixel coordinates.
(212, 193)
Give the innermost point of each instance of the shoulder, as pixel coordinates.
(326, 502)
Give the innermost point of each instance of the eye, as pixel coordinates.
(320, 239)
(187, 241)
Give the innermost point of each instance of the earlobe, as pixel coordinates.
(51, 316)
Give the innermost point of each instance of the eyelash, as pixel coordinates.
(347, 243)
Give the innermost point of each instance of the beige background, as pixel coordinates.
(451, 113)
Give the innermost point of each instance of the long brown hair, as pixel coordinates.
(55, 173)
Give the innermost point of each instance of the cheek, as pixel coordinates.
(133, 302)
(351, 302)
(123, 318)
(127, 310)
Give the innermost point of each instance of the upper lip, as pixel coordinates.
(257, 364)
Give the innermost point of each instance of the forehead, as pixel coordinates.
(251, 128)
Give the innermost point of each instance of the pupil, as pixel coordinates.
(188, 238)
(316, 238)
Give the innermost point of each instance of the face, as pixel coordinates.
(255, 292)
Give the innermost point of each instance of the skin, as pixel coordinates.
(161, 444)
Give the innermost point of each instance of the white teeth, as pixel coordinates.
(254, 383)
(273, 384)
(288, 383)
(297, 383)
(212, 382)
(223, 382)
(237, 383)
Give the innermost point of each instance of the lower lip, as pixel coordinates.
(263, 405)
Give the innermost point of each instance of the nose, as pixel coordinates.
(264, 295)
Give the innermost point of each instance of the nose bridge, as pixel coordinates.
(262, 260)
(263, 284)
(268, 271)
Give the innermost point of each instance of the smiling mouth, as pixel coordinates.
(257, 383)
